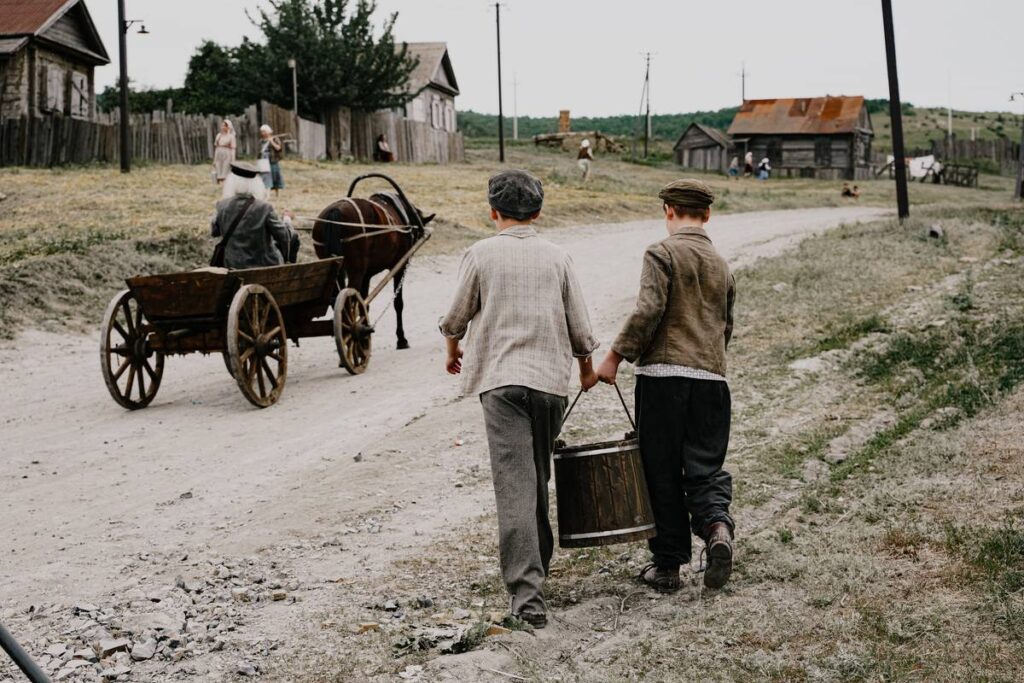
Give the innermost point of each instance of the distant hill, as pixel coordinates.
(920, 124)
(664, 126)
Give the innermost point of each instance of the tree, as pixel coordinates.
(340, 62)
(215, 83)
(141, 101)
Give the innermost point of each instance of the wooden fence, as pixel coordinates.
(167, 138)
(1002, 152)
(411, 141)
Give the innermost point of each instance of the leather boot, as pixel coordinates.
(662, 580)
(719, 552)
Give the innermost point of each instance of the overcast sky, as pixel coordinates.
(585, 55)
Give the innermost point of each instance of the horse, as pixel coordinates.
(348, 228)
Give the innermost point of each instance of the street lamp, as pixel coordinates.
(1019, 186)
(295, 86)
(123, 26)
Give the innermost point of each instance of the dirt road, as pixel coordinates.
(88, 487)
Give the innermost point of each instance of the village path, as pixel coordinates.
(87, 486)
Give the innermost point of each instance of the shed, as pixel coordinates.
(433, 82)
(702, 148)
(49, 50)
(810, 137)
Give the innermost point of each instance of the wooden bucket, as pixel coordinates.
(602, 493)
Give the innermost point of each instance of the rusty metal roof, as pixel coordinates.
(30, 17)
(806, 115)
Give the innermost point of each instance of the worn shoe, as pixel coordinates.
(719, 553)
(661, 580)
(537, 620)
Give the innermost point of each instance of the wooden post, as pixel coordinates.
(501, 113)
(122, 34)
(1019, 185)
(895, 114)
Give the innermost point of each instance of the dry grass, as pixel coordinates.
(69, 236)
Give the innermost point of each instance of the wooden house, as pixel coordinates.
(702, 148)
(49, 50)
(434, 81)
(811, 137)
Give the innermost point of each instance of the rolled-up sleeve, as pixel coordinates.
(581, 334)
(655, 279)
(466, 303)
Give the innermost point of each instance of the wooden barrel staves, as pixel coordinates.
(602, 494)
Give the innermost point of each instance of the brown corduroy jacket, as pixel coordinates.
(683, 314)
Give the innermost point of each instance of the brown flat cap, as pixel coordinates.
(687, 192)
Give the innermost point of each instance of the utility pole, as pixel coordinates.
(515, 106)
(501, 112)
(122, 35)
(123, 25)
(1019, 186)
(647, 95)
(895, 114)
(743, 82)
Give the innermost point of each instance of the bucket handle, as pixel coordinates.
(621, 400)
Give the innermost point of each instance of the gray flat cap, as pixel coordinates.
(515, 194)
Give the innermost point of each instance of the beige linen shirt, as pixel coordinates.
(519, 299)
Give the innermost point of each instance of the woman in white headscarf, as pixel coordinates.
(584, 158)
(224, 147)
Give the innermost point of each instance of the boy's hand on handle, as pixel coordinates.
(609, 367)
(588, 378)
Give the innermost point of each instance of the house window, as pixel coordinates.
(435, 113)
(79, 95)
(774, 151)
(51, 88)
(449, 117)
(419, 110)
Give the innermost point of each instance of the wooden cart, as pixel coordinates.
(246, 315)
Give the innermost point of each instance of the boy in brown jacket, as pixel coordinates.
(677, 336)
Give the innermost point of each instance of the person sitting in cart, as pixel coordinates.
(252, 234)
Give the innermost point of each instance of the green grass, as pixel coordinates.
(843, 333)
(789, 458)
(995, 561)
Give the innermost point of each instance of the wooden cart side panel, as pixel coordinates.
(298, 283)
(194, 294)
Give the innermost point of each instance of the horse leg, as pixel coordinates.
(403, 343)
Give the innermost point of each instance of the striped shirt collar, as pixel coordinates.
(520, 231)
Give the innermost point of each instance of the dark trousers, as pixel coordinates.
(522, 425)
(684, 434)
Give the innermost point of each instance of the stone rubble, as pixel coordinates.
(146, 632)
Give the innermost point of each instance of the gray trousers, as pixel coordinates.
(522, 425)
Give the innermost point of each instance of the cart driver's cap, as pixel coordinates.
(243, 169)
(515, 194)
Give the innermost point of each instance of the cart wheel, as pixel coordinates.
(257, 345)
(131, 369)
(353, 332)
(227, 362)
